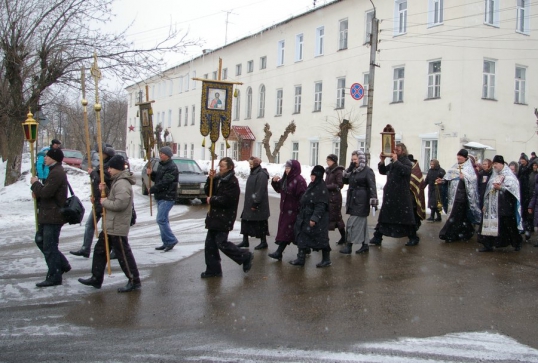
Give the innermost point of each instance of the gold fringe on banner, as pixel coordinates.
(203, 142)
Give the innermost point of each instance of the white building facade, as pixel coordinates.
(450, 74)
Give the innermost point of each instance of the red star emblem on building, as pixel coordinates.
(131, 128)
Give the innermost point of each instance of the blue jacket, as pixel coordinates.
(41, 169)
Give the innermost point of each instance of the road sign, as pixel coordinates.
(356, 91)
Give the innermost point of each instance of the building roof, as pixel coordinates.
(243, 132)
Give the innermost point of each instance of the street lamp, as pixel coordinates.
(29, 127)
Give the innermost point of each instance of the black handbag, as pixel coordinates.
(73, 210)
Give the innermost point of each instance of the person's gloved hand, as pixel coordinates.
(352, 166)
(374, 202)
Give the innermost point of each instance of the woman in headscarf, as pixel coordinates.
(434, 192)
(312, 225)
(361, 195)
(333, 180)
(291, 188)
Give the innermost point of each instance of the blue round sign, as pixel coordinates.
(356, 91)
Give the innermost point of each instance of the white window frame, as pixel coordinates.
(342, 34)
(179, 118)
(320, 36)
(238, 69)
(186, 116)
(222, 149)
(261, 102)
(361, 143)
(491, 13)
(235, 150)
(279, 100)
(249, 104)
(488, 80)
(192, 151)
(314, 152)
(299, 47)
(185, 150)
(336, 146)
(435, 12)
(318, 94)
(280, 53)
(398, 84)
(434, 79)
(297, 99)
(214, 75)
(237, 108)
(365, 85)
(193, 115)
(430, 150)
(263, 62)
(520, 85)
(250, 66)
(523, 16)
(368, 18)
(259, 149)
(295, 150)
(225, 73)
(400, 17)
(341, 92)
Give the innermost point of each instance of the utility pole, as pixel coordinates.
(226, 32)
(371, 81)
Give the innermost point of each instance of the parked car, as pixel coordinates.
(73, 158)
(95, 159)
(191, 179)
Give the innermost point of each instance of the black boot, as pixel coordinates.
(438, 219)
(326, 258)
(432, 216)
(364, 249)
(376, 239)
(277, 255)
(80, 252)
(299, 261)
(263, 244)
(245, 243)
(342, 239)
(92, 281)
(347, 249)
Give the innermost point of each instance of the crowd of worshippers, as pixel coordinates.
(490, 198)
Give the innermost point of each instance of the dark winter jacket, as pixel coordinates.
(224, 202)
(95, 179)
(166, 179)
(483, 178)
(430, 182)
(397, 207)
(533, 204)
(51, 196)
(119, 204)
(314, 207)
(334, 182)
(361, 189)
(523, 176)
(291, 188)
(256, 196)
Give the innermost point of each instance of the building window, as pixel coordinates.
(221, 152)
(186, 116)
(280, 54)
(206, 76)
(193, 82)
(250, 66)
(341, 92)
(320, 34)
(170, 87)
(361, 143)
(180, 81)
(429, 152)
(336, 147)
(187, 80)
(298, 47)
(179, 118)
(261, 103)
(235, 149)
(237, 109)
(400, 15)
(314, 152)
(279, 95)
(522, 16)
(295, 151)
(318, 88)
(366, 85)
(263, 62)
(368, 26)
(259, 149)
(249, 103)
(192, 151)
(488, 87)
(520, 85)
(238, 69)
(491, 16)
(398, 85)
(169, 118)
(342, 38)
(185, 151)
(435, 12)
(225, 73)
(215, 75)
(297, 99)
(434, 79)
(193, 115)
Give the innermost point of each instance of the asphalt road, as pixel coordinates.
(394, 291)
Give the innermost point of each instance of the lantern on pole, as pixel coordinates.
(387, 141)
(29, 127)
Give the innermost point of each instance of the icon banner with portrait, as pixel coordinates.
(216, 110)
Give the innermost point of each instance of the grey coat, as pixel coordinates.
(119, 204)
(361, 189)
(256, 196)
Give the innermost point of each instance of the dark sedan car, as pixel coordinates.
(191, 179)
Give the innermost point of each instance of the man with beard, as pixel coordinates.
(502, 208)
(396, 218)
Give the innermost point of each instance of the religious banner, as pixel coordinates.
(387, 141)
(146, 123)
(216, 110)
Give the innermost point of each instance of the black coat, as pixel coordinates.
(95, 179)
(523, 176)
(51, 196)
(430, 182)
(361, 189)
(334, 182)
(314, 207)
(223, 202)
(483, 178)
(533, 204)
(256, 196)
(166, 179)
(397, 207)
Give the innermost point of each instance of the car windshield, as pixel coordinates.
(72, 154)
(187, 166)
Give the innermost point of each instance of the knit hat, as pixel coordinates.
(56, 154)
(288, 164)
(318, 171)
(55, 141)
(524, 156)
(498, 159)
(411, 158)
(108, 151)
(117, 162)
(333, 157)
(463, 153)
(166, 150)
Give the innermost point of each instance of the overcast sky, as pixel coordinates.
(204, 19)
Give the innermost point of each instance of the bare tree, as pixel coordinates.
(45, 43)
(346, 123)
(266, 130)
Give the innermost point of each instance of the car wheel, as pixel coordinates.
(144, 189)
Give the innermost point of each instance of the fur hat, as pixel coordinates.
(117, 162)
(498, 159)
(463, 153)
(318, 171)
(255, 161)
(333, 157)
(108, 151)
(411, 158)
(56, 154)
(166, 150)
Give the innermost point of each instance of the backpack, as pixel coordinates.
(73, 210)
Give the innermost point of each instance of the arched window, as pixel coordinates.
(261, 108)
(249, 103)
